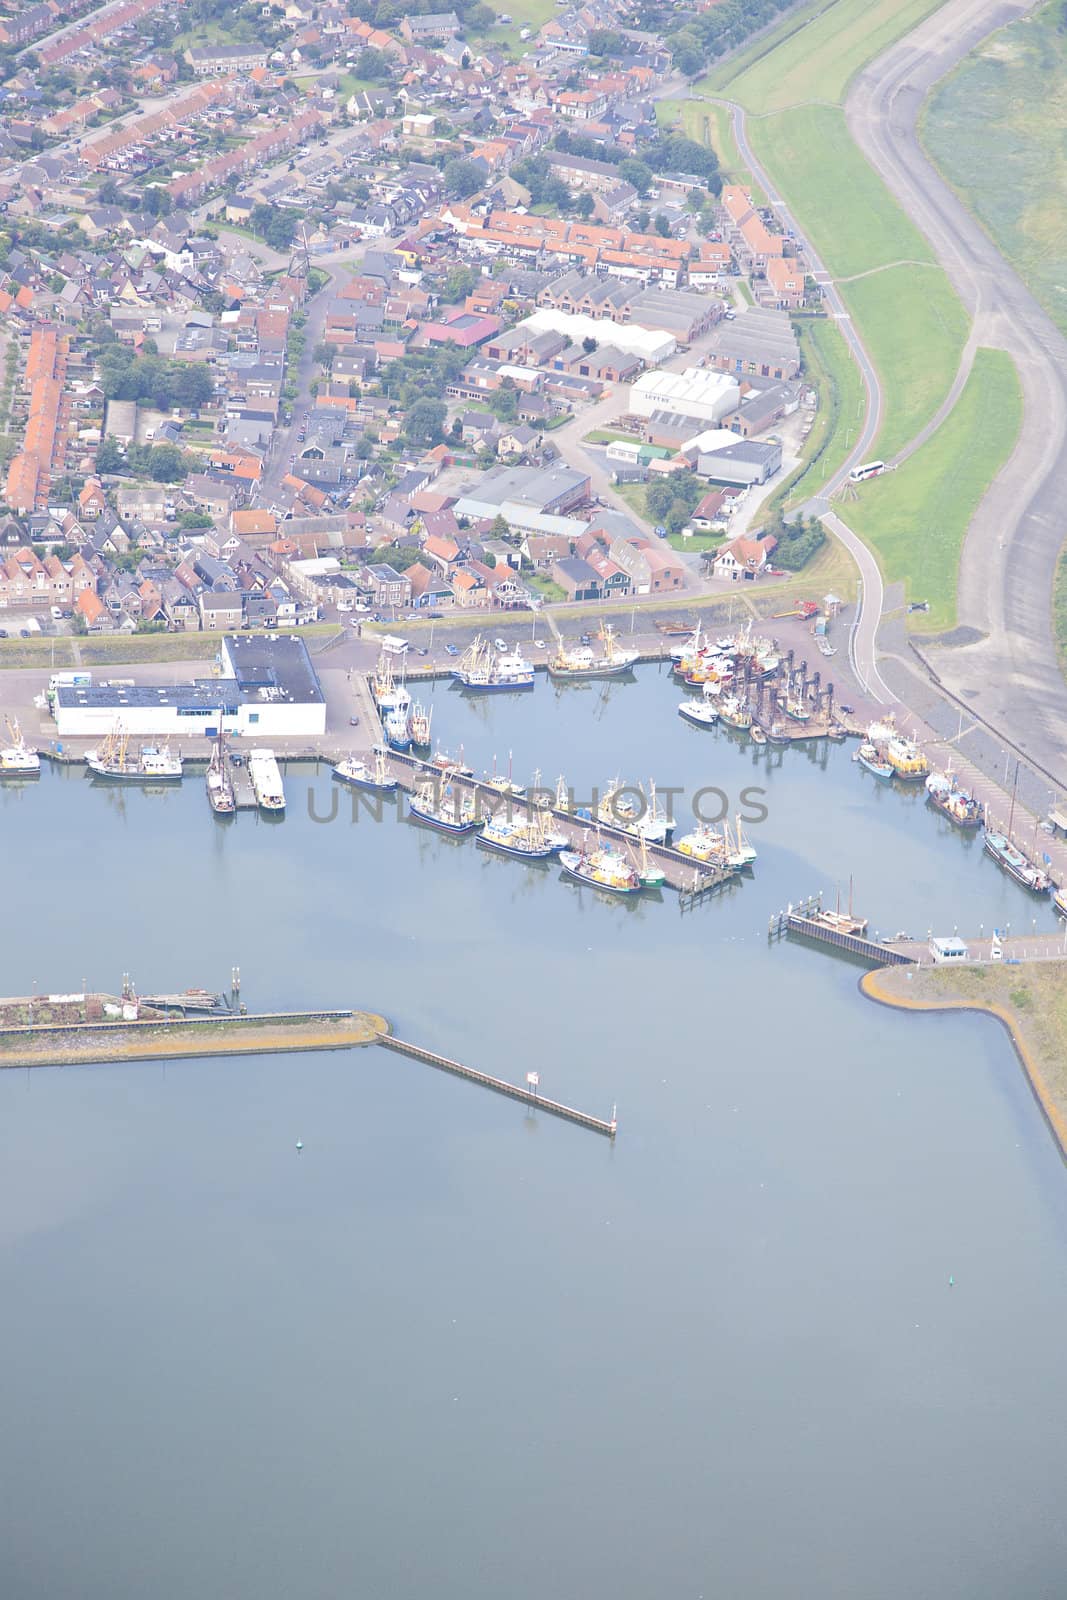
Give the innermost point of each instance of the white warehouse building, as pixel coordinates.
(650, 345)
(267, 687)
(696, 392)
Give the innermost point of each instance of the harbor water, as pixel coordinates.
(797, 1332)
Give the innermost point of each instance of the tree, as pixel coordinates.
(606, 42)
(109, 457)
(109, 193)
(584, 205)
(500, 528)
(641, 220)
(589, 345)
(459, 283)
(156, 202)
(424, 423)
(372, 66)
(462, 178)
(324, 353)
(194, 519)
(637, 173)
(663, 227)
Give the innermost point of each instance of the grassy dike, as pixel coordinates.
(93, 1044)
(1029, 1000)
(916, 518)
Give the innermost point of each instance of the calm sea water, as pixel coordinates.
(454, 1350)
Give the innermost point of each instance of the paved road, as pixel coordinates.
(1010, 676)
(863, 655)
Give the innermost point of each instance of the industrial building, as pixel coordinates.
(650, 345)
(696, 392)
(267, 688)
(748, 462)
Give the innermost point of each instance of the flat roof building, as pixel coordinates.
(268, 687)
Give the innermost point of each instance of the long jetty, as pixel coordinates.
(514, 1091)
(693, 879)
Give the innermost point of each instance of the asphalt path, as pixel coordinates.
(1008, 673)
(863, 652)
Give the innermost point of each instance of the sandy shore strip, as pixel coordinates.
(159, 1041)
(1030, 1001)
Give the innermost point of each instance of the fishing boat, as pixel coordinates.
(502, 782)
(603, 868)
(757, 734)
(451, 766)
(266, 780)
(1059, 900)
(624, 807)
(871, 758)
(447, 811)
(17, 760)
(906, 759)
(960, 807)
(1018, 866)
(778, 734)
(484, 670)
(526, 837)
(153, 763)
(386, 688)
(607, 660)
(798, 710)
(419, 725)
(219, 784)
(733, 713)
(694, 646)
(651, 876)
(363, 776)
(740, 852)
(396, 718)
(703, 844)
(703, 713)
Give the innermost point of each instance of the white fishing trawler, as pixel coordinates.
(364, 775)
(625, 807)
(485, 670)
(152, 763)
(18, 760)
(266, 780)
(605, 660)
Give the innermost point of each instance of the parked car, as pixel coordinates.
(451, 650)
(501, 644)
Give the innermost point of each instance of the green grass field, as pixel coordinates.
(915, 329)
(830, 367)
(997, 128)
(852, 219)
(1059, 609)
(821, 51)
(915, 518)
(532, 14)
(911, 321)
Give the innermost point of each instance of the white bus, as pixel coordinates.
(871, 470)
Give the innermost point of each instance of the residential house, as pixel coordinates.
(742, 557)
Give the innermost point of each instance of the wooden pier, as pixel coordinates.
(841, 930)
(529, 1095)
(244, 795)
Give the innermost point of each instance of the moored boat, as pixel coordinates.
(625, 807)
(733, 713)
(756, 734)
(453, 766)
(527, 838)
(958, 805)
(419, 725)
(870, 757)
(448, 811)
(703, 844)
(484, 670)
(266, 780)
(366, 776)
(906, 758)
(218, 782)
(603, 868)
(1059, 900)
(1017, 865)
(153, 763)
(583, 661)
(702, 713)
(18, 760)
